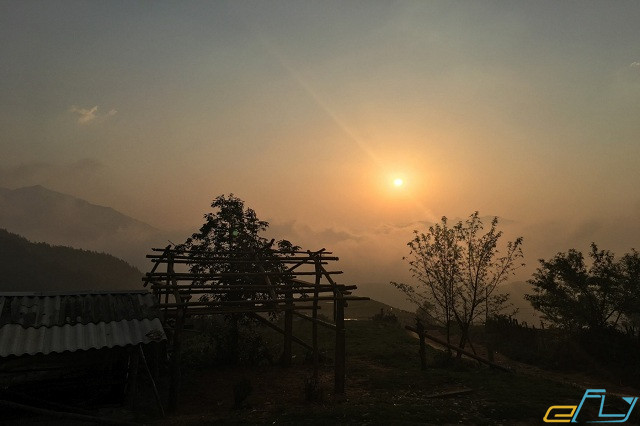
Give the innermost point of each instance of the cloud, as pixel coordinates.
(89, 115)
(635, 65)
(308, 237)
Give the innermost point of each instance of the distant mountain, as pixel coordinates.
(41, 214)
(27, 266)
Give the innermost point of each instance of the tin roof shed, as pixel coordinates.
(56, 322)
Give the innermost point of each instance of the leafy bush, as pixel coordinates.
(385, 317)
(223, 341)
(604, 351)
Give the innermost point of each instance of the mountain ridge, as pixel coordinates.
(29, 266)
(44, 215)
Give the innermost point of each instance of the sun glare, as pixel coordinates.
(398, 182)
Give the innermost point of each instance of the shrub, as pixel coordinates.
(219, 342)
(385, 317)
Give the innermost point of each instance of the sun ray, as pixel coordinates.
(321, 102)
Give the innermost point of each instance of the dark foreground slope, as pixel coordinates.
(27, 266)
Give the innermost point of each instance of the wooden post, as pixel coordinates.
(174, 379)
(340, 356)
(314, 334)
(488, 339)
(335, 310)
(423, 352)
(288, 328)
(153, 382)
(174, 385)
(134, 357)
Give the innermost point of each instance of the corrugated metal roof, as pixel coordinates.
(58, 309)
(17, 340)
(32, 323)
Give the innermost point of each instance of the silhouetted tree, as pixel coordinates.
(435, 262)
(233, 231)
(630, 265)
(573, 296)
(458, 269)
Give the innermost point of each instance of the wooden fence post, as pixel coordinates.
(174, 379)
(423, 354)
(134, 358)
(340, 355)
(288, 327)
(314, 330)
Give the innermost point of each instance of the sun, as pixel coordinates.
(398, 182)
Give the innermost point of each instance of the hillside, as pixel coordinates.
(358, 310)
(41, 214)
(27, 266)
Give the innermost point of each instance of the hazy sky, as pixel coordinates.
(308, 111)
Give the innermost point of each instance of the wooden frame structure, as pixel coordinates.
(249, 282)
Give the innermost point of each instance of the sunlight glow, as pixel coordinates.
(398, 182)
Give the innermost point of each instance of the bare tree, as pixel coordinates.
(433, 261)
(458, 269)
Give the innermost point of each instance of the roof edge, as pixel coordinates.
(68, 293)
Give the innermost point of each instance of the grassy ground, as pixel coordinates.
(384, 386)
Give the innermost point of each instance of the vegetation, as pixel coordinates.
(385, 316)
(234, 230)
(608, 354)
(28, 266)
(232, 227)
(592, 311)
(458, 269)
(574, 296)
(209, 346)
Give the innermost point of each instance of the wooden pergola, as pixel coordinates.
(250, 282)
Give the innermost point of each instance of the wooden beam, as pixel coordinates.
(182, 259)
(260, 303)
(467, 353)
(189, 276)
(248, 287)
(316, 320)
(246, 291)
(234, 252)
(217, 311)
(155, 266)
(280, 330)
